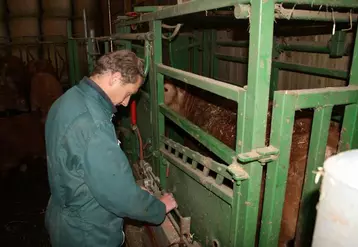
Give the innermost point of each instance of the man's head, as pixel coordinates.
(120, 74)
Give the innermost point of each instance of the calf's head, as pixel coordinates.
(173, 96)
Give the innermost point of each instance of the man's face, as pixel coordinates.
(122, 92)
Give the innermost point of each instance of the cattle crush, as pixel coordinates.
(240, 156)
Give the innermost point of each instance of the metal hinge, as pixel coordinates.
(262, 155)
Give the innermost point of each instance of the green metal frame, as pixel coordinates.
(188, 174)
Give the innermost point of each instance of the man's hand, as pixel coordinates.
(169, 202)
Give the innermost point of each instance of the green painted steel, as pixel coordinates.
(316, 157)
(182, 9)
(338, 74)
(243, 12)
(276, 178)
(211, 85)
(157, 98)
(255, 118)
(201, 176)
(329, 3)
(286, 104)
(349, 136)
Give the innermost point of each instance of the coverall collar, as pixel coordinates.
(101, 95)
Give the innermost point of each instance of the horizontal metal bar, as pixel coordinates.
(190, 7)
(338, 74)
(285, 47)
(243, 11)
(304, 48)
(217, 87)
(218, 148)
(127, 36)
(149, 8)
(223, 57)
(219, 190)
(139, 47)
(335, 3)
(331, 96)
(199, 158)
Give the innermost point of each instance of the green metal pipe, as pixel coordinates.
(138, 47)
(335, 3)
(190, 7)
(208, 84)
(127, 36)
(252, 133)
(285, 47)
(338, 74)
(313, 98)
(142, 9)
(231, 58)
(242, 11)
(146, 58)
(304, 48)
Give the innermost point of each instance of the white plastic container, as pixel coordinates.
(337, 216)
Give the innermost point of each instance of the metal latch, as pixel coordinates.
(262, 155)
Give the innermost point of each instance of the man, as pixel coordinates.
(91, 182)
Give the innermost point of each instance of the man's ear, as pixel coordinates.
(115, 78)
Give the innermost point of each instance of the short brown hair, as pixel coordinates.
(123, 61)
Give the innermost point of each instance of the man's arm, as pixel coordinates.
(110, 179)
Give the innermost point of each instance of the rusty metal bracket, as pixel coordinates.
(262, 155)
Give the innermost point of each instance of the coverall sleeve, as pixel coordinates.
(110, 179)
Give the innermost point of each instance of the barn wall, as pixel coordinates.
(237, 73)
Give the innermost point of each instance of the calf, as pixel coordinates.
(218, 117)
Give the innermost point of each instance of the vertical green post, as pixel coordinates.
(283, 116)
(310, 192)
(214, 66)
(157, 97)
(349, 133)
(195, 60)
(254, 114)
(206, 53)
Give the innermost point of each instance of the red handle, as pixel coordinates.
(134, 113)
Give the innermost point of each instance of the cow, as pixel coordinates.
(45, 89)
(218, 117)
